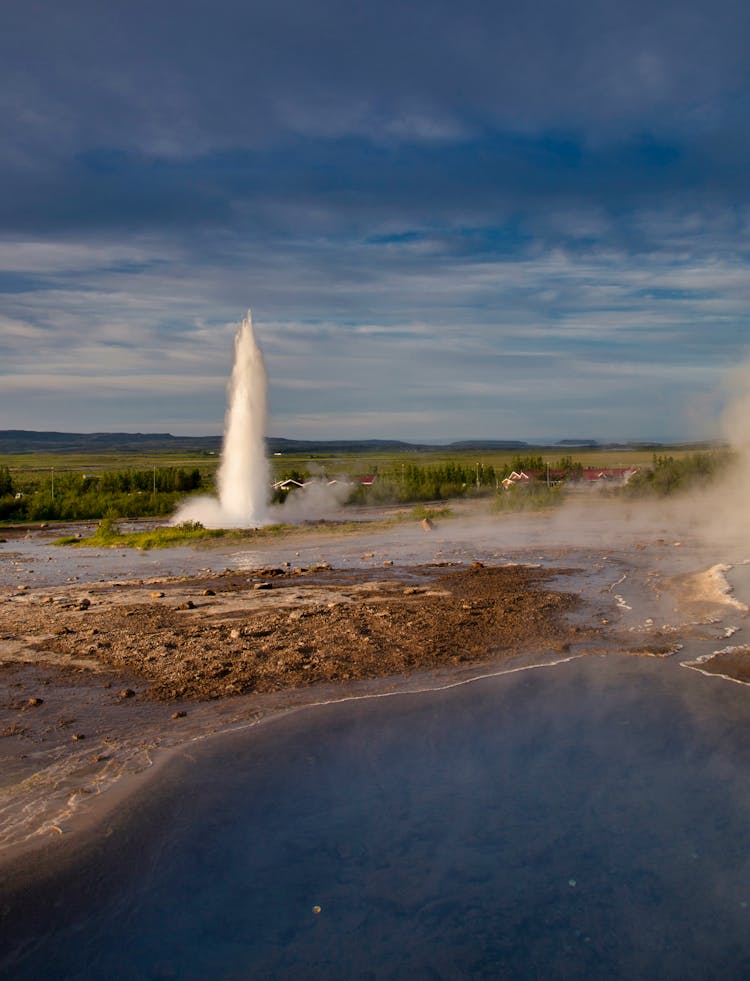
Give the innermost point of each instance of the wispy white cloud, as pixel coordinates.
(530, 218)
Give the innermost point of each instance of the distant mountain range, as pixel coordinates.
(13, 441)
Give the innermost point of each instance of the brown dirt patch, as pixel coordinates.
(212, 636)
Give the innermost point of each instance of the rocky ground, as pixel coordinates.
(280, 628)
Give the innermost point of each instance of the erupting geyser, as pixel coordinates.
(243, 474)
(243, 478)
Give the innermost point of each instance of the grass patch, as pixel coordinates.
(108, 535)
(420, 511)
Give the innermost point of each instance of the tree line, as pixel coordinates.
(74, 496)
(668, 475)
(406, 482)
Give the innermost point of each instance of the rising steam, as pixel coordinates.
(243, 477)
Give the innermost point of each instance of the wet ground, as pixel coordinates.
(77, 712)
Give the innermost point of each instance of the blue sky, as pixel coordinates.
(510, 221)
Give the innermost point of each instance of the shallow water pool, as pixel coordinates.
(583, 820)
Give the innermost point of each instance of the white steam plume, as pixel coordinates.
(243, 477)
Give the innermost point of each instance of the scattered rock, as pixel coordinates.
(157, 594)
(388, 562)
(384, 626)
(209, 592)
(187, 605)
(427, 524)
(77, 737)
(13, 730)
(262, 585)
(84, 604)
(126, 693)
(33, 702)
(477, 565)
(179, 715)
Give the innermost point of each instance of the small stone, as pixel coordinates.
(157, 594)
(179, 715)
(388, 562)
(187, 605)
(209, 592)
(84, 604)
(262, 585)
(477, 565)
(33, 702)
(22, 589)
(47, 600)
(126, 693)
(427, 524)
(234, 634)
(77, 736)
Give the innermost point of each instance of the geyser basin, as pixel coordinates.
(243, 478)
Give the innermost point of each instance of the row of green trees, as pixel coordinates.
(73, 496)
(408, 481)
(668, 475)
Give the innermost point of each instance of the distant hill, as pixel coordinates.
(27, 441)
(15, 441)
(488, 444)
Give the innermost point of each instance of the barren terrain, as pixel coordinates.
(275, 628)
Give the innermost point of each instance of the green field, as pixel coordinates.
(353, 463)
(70, 486)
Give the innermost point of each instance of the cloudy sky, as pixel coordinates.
(486, 219)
